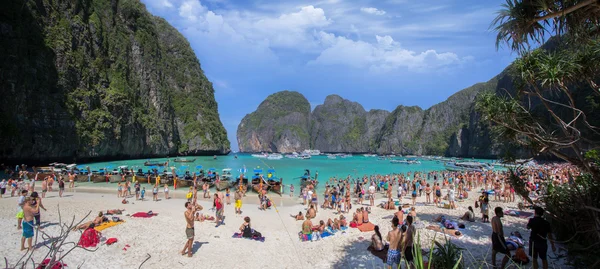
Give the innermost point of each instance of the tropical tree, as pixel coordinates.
(552, 107)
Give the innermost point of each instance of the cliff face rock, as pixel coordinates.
(280, 124)
(339, 125)
(92, 79)
(399, 133)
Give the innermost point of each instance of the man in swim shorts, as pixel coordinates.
(394, 237)
(20, 203)
(238, 202)
(29, 208)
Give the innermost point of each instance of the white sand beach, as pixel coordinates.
(163, 236)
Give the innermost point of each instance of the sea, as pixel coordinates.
(290, 170)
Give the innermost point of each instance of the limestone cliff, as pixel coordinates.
(94, 79)
(279, 124)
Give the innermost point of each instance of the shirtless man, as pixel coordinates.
(311, 212)
(400, 214)
(238, 201)
(394, 237)
(408, 241)
(498, 243)
(29, 209)
(44, 187)
(189, 228)
(71, 181)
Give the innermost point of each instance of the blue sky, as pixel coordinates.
(381, 53)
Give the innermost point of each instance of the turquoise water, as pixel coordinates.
(288, 169)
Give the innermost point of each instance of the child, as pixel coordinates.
(155, 193)
(143, 193)
(227, 196)
(119, 190)
(292, 190)
(166, 191)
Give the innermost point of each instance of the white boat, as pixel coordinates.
(405, 161)
(71, 166)
(332, 157)
(261, 155)
(304, 156)
(467, 166)
(275, 156)
(312, 151)
(370, 155)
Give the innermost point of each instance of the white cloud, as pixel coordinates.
(166, 3)
(191, 10)
(372, 10)
(384, 55)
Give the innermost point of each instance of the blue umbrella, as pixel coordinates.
(257, 170)
(198, 166)
(271, 170)
(212, 169)
(153, 167)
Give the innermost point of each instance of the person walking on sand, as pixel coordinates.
(61, 186)
(20, 205)
(498, 242)
(189, 228)
(540, 232)
(409, 240)
(394, 238)
(166, 191)
(29, 208)
(238, 202)
(71, 181)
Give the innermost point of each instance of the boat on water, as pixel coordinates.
(210, 178)
(259, 182)
(405, 162)
(275, 183)
(312, 152)
(304, 156)
(184, 160)
(260, 155)
(148, 163)
(224, 180)
(293, 155)
(381, 158)
(274, 156)
(467, 166)
(370, 155)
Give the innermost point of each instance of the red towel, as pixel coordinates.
(366, 227)
(89, 238)
(144, 215)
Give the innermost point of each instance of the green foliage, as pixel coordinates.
(447, 256)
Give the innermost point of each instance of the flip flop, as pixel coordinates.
(127, 246)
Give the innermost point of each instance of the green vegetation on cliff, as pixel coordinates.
(115, 79)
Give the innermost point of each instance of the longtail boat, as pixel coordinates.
(224, 181)
(184, 160)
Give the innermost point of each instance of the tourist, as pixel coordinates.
(413, 213)
(376, 240)
(166, 191)
(137, 190)
(227, 194)
(299, 216)
(218, 204)
(71, 181)
(30, 206)
(428, 194)
(498, 242)
(189, 228)
(143, 193)
(541, 232)
(438, 195)
(414, 194)
(61, 186)
(485, 210)
(311, 212)
(291, 190)
(372, 195)
(119, 190)
(246, 229)
(365, 215)
(37, 202)
(20, 203)
(304, 194)
(2, 188)
(394, 237)
(409, 240)
(307, 229)
(90, 224)
(238, 202)
(469, 215)
(451, 197)
(155, 193)
(314, 201)
(400, 213)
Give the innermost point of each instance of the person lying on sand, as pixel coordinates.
(97, 221)
(299, 216)
(114, 211)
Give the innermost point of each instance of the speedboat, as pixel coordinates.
(275, 156)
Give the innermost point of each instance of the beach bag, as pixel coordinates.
(520, 257)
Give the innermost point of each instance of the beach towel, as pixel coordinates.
(107, 224)
(326, 234)
(450, 232)
(144, 215)
(366, 227)
(89, 238)
(57, 265)
(255, 238)
(379, 254)
(518, 214)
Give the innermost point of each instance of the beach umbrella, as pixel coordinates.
(258, 170)
(198, 166)
(271, 170)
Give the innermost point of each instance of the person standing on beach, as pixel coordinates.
(189, 228)
(44, 187)
(372, 195)
(409, 241)
(20, 204)
(218, 203)
(540, 232)
(2, 187)
(30, 206)
(498, 242)
(238, 201)
(71, 181)
(137, 190)
(394, 238)
(61, 186)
